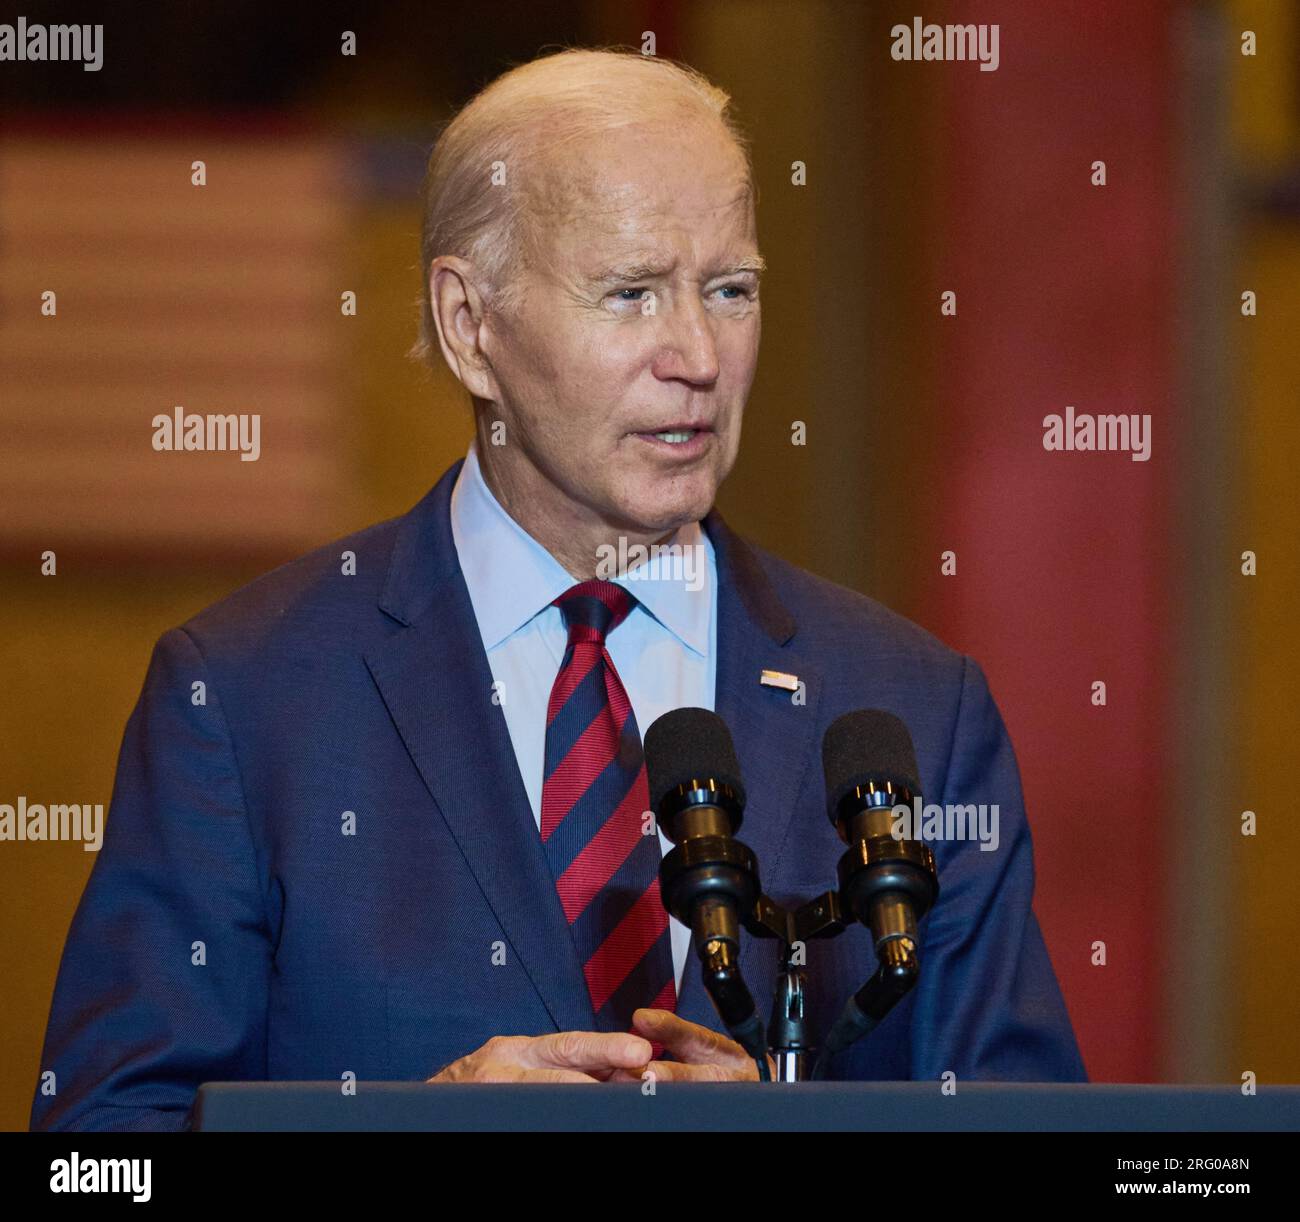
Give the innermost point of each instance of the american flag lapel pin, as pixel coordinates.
(778, 678)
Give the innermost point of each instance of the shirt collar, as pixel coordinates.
(511, 577)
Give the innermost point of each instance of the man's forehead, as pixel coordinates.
(607, 221)
(616, 200)
(645, 227)
(607, 178)
(627, 198)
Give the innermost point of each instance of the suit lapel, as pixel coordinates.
(774, 736)
(437, 685)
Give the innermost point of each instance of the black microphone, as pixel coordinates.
(709, 881)
(887, 883)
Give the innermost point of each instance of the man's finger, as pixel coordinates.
(590, 1051)
(555, 1075)
(688, 1041)
(680, 1071)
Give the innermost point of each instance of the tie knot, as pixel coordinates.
(593, 609)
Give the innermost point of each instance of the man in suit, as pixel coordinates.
(380, 812)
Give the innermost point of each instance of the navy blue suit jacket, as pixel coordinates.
(231, 930)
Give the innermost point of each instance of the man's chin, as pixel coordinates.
(656, 516)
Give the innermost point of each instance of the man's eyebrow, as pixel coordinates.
(639, 270)
(629, 271)
(751, 263)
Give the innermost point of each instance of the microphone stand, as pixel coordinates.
(789, 1033)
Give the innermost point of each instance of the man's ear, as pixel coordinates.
(458, 314)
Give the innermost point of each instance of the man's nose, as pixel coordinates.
(691, 352)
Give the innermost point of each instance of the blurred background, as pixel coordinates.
(924, 430)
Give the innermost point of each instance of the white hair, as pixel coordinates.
(527, 113)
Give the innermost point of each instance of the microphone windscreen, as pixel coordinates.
(689, 744)
(867, 745)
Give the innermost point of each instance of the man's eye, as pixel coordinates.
(740, 290)
(621, 294)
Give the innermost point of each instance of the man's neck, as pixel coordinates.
(581, 545)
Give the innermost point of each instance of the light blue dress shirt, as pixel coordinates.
(665, 652)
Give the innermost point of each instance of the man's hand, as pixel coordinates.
(702, 1055)
(563, 1056)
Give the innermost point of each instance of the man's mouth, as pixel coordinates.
(677, 434)
(679, 443)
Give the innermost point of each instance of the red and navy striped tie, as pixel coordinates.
(594, 795)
